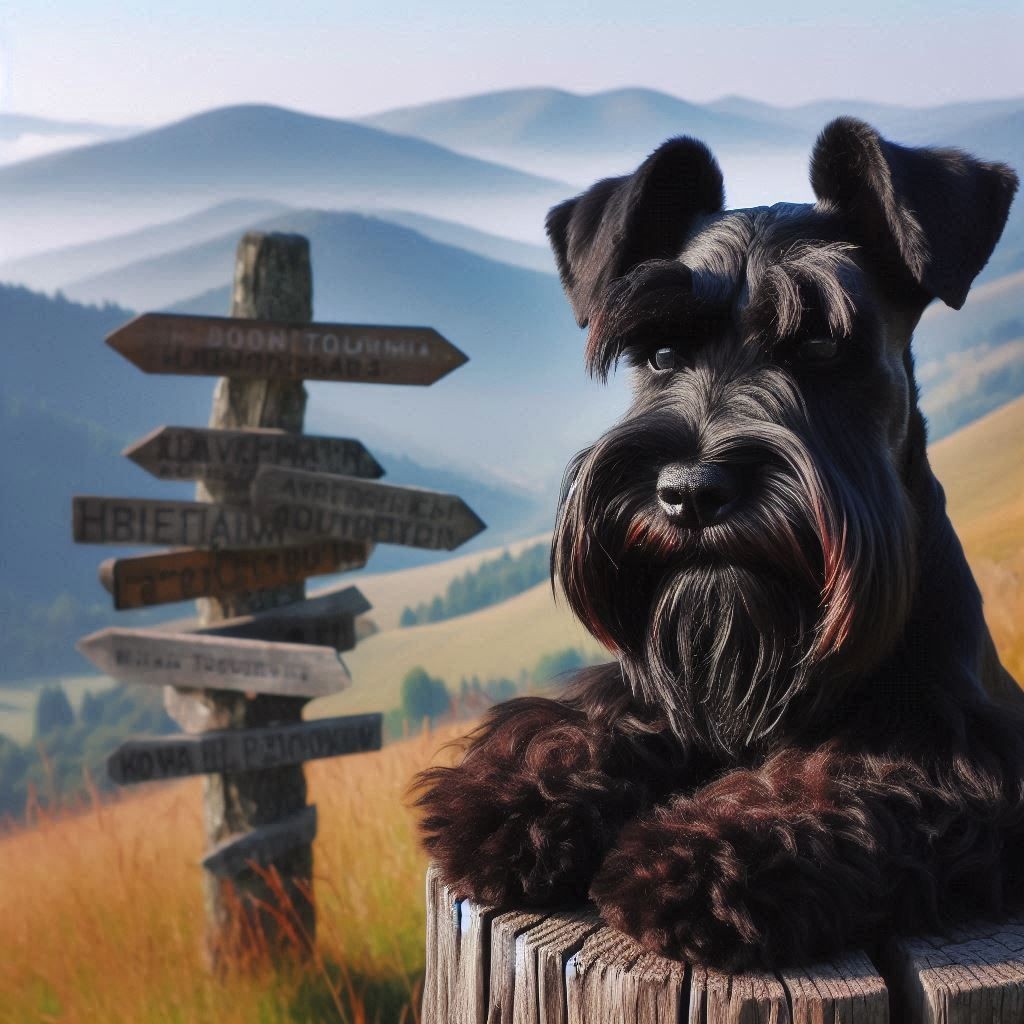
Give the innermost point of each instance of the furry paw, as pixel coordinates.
(730, 879)
(528, 814)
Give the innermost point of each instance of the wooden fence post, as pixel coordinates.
(273, 281)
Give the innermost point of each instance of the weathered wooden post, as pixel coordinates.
(274, 507)
(273, 281)
(491, 966)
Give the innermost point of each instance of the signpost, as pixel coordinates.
(216, 662)
(234, 456)
(262, 349)
(273, 507)
(325, 505)
(328, 620)
(184, 575)
(235, 750)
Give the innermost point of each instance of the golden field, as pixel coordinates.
(101, 908)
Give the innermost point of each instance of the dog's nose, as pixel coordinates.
(698, 494)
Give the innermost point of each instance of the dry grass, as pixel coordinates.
(102, 911)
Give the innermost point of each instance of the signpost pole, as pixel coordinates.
(273, 281)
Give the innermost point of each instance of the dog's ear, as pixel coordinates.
(935, 214)
(621, 222)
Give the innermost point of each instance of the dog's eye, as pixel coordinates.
(664, 359)
(817, 350)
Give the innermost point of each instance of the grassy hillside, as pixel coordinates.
(103, 917)
(498, 641)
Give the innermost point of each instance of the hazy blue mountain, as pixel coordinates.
(553, 121)
(763, 148)
(910, 124)
(55, 268)
(495, 247)
(253, 151)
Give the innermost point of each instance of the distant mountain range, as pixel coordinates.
(23, 136)
(259, 152)
(583, 137)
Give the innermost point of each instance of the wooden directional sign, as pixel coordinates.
(324, 505)
(328, 621)
(243, 750)
(188, 573)
(233, 456)
(215, 662)
(201, 524)
(262, 846)
(214, 346)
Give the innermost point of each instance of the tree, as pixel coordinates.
(556, 663)
(53, 710)
(408, 618)
(423, 696)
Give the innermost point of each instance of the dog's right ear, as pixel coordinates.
(621, 222)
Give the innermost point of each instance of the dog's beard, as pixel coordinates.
(802, 589)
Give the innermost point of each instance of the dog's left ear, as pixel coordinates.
(935, 214)
(622, 222)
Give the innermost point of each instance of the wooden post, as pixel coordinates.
(492, 966)
(273, 281)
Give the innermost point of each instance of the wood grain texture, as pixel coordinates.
(975, 973)
(486, 966)
(273, 281)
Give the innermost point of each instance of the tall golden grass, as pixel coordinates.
(101, 916)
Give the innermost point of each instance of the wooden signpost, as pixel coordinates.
(186, 574)
(324, 505)
(328, 620)
(273, 507)
(215, 662)
(234, 456)
(235, 750)
(214, 346)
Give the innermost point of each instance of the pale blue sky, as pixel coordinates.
(144, 63)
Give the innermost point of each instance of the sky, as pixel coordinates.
(146, 63)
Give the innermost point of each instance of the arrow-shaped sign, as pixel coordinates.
(215, 346)
(262, 846)
(243, 750)
(188, 573)
(215, 662)
(343, 507)
(200, 524)
(234, 456)
(327, 621)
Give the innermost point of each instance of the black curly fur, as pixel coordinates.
(807, 740)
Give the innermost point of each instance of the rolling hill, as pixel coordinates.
(56, 268)
(252, 152)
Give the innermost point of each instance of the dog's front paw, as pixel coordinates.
(528, 815)
(729, 880)
(681, 891)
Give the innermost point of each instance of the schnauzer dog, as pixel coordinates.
(806, 740)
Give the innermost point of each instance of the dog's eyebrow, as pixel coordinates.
(657, 299)
(808, 285)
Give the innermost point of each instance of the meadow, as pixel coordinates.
(101, 905)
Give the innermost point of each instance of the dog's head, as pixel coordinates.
(752, 524)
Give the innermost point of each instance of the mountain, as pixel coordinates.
(582, 137)
(911, 124)
(495, 247)
(56, 268)
(550, 120)
(251, 152)
(762, 148)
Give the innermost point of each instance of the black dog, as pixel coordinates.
(807, 740)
